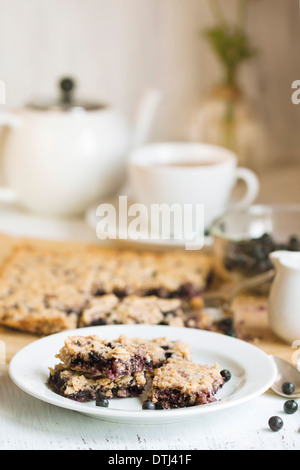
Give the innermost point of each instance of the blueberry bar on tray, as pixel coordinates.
(179, 383)
(45, 290)
(152, 310)
(124, 356)
(83, 387)
(182, 275)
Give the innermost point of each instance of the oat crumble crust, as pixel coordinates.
(181, 383)
(44, 291)
(172, 349)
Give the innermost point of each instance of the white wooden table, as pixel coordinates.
(29, 424)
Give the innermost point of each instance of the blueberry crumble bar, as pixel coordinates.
(109, 309)
(83, 387)
(180, 383)
(179, 274)
(92, 368)
(43, 292)
(111, 359)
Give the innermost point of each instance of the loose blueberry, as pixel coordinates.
(290, 407)
(226, 375)
(159, 407)
(149, 405)
(226, 322)
(230, 332)
(102, 401)
(288, 388)
(275, 423)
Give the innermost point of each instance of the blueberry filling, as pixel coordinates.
(112, 368)
(187, 291)
(98, 322)
(175, 399)
(59, 386)
(160, 292)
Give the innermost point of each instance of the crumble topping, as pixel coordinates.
(109, 309)
(162, 348)
(184, 383)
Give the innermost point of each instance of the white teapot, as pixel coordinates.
(59, 157)
(284, 297)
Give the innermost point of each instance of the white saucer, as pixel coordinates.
(18, 222)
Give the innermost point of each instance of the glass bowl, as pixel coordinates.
(243, 240)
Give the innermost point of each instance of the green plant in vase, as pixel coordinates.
(232, 46)
(230, 41)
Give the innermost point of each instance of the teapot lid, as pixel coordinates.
(66, 102)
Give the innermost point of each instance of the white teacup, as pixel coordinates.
(190, 173)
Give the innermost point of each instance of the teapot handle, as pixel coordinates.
(8, 195)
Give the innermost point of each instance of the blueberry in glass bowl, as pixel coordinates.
(243, 240)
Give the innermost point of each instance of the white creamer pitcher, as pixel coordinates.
(284, 298)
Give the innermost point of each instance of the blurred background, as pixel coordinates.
(223, 70)
(116, 49)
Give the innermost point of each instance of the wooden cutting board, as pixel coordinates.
(250, 313)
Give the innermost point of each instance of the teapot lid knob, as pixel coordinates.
(66, 85)
(66, 101)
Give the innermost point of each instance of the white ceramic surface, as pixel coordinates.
(155, 181)
(283, 309)
(253, 372)
(19, 222)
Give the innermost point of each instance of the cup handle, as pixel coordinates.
(252, 183)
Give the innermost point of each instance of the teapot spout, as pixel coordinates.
(145, 117)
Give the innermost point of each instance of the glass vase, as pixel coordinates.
(226, 118)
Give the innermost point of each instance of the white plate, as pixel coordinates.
(145, 238)
(253, 372)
